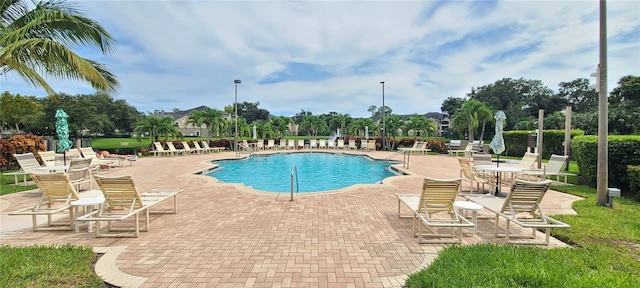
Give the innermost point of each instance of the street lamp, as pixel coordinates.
(235, 145)
(384, 145)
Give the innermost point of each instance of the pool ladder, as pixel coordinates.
(294, 173)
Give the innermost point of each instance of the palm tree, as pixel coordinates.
(156, 127)
(197, 119)
(280, 125)
(214, 121)
(469, 117)
(394, 123)
(34, 40)
(340, 121)
(313, 123)
(421, 124)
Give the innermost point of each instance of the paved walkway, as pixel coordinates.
(228, 235)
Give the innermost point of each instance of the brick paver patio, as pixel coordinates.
(228, 235)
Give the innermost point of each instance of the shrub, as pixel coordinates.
(634, 181)
(437, 145)
(18, 144)
(623, 150)
(515, 142)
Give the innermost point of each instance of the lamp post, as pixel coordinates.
(236, 82)
(384, 130)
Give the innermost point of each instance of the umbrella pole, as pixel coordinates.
(64, 158)
(497, 177)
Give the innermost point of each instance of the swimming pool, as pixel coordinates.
(316, 171)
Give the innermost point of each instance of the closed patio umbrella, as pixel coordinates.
(497, 143)
(62, 129)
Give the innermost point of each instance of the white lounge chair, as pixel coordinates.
(28, 164)
(122, 201)
(521, 207)
(159, 150)
(434, 208)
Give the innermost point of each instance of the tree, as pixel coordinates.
(251, 112)
(34, 40)
(213, 119)
(451, 105)
(313, 124)
(394, 125)
(18, 110)
(372, 109)
(421, 124)
(465, 119)
(579, 95)
(280, 126)
(627, 93)
(197, 118)
(156, 127)
(340, 121)
(519, 99)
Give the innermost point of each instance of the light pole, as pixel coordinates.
(384, 130)
(235, 145)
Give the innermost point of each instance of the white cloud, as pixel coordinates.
(183, 54)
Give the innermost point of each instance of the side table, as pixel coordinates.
(87, 204)
(469, 206)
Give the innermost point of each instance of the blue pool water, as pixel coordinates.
(316, 171)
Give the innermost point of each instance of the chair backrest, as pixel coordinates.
(415, 145)
(27, 161)
(371, 145)
(290, 143)
(524, 199)
(341, 143)
(205, 144)
(555, 164)
(271, 142)
(259, 143)
(527, 160)
(79, 169)
(481, 159)
(87, 152)
(313, 143)
(455, 143)
(48, 157)
(158, 146)
(438, 195)
(331, 143)
(73, 153)
(185, 146)
(352, 143)
(171, 147)
(465, 168)
(196, 145)
(55, 187)
(120, 192)
(469, 146)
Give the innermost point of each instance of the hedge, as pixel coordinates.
(623, 150)
(515, 142)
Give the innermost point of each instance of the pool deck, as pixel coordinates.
(228, 235)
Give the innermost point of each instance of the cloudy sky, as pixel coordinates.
(324, 56)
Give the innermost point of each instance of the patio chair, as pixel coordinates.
(521, 207)
(467, 173)
(173, 149)
(159, 150)
(434, 208)
(259, 144)
(57, 195)
(282, 144)
(290, 144)
(352, 145)
(28, 164)
(466, 152)
(123, 201)
(48, 157)
(553, 167)
(322, 144)
(187, 149)
(271, 144)
(205, 145)
(99, 162)
(482, 159)
(80, 172)
(202, 150)
(453, 145)
(313, 143)
(331, 144)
